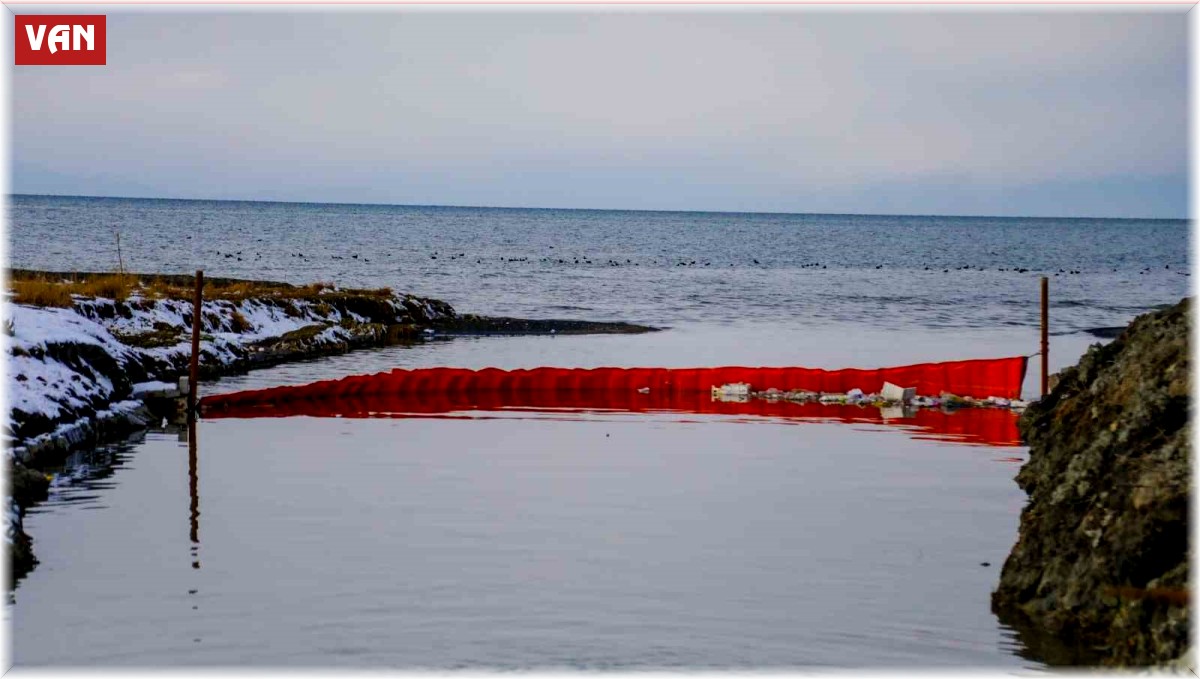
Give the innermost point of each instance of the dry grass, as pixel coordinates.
(42, 289)
(235, 291)
(238, 323)
(116, 286)
(57, 293)
(41, 293)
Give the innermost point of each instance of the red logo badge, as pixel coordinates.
(60, 40)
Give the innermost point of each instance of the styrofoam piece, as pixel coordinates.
(892, 392)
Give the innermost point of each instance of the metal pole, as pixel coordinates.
(194, 373)
(1045, 335)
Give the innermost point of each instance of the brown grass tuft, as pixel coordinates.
(238, 323)
(43, 289)
(41, 293)
(116, 287)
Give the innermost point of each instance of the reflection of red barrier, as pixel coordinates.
(978, 378)
(985, 426)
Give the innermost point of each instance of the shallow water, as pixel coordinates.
(542, 539)
(616, 542)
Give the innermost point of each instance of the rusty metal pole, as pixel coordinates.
(194, 372)
(1045, 335)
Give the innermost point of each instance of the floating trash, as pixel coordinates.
(892, 392)
(738, 392)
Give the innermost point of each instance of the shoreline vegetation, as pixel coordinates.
(87, 351)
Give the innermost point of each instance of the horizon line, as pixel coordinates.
(584, 209)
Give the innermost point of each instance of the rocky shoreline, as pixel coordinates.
(79, 375)
(1100, 571)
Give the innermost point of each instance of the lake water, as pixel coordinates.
(519, 539)
(749, 268)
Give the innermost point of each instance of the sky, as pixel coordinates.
(1034, 113)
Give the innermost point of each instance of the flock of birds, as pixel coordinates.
(575, 260)
(685, 262)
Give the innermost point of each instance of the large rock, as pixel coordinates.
(1101, 562)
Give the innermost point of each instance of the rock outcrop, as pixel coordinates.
(1102, 560)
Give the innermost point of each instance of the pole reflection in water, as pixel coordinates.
(194, 505)
(194, 490)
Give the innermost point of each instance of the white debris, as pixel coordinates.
(896, 411)
(892, 392)
(733, 389)
(142, 389)
(736, 391)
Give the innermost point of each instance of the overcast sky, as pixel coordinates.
(1039, 113)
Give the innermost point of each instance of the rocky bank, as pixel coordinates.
(1099, 573)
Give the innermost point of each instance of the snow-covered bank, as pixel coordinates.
(75, 376)
(69, 366)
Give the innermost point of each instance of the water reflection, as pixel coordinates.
(423, 534)
(194, 491)
(85, 475)
(1038, 644)
(972, 426)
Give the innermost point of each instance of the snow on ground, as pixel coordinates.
(265, 319)
(39, 385)
(45, 386)
(36, 326)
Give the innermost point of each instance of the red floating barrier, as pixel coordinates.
(978, 426)
(979, 378)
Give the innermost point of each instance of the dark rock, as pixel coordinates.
(20, 552)
(27, 485)
(1106, 333)
(1101, 561)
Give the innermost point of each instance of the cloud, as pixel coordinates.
(589, 106)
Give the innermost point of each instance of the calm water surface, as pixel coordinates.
(571, 540)
(526, 540)
(613, 542)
